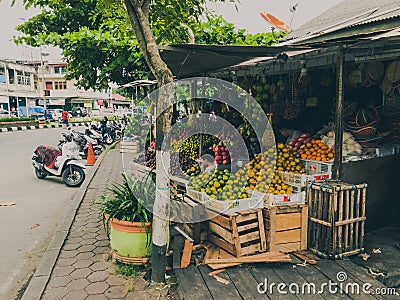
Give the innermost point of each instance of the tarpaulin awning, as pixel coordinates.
(190, 59)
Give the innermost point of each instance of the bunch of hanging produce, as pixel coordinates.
(192, 144)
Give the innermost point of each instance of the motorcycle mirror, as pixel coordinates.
(69, 127)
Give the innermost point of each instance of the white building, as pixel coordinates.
(27, 83)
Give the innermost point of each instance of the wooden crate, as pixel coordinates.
(286, 227)
(194, 214)
(336, 218)
(239, 234)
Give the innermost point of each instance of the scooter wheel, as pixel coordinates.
(40, 173)
(109, 140)
(73, 176)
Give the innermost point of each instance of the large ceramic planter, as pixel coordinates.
(130, 239)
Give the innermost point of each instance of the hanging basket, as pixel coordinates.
(393, 71)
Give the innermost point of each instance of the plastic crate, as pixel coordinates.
(285, 199)
(300, 179)
(318, 168)
(229, 207)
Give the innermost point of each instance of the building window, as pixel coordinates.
(60, 85)
(2, 75)
(27, 79)
(49, 85)
(11, 77)
(20, 77)
(60, 70)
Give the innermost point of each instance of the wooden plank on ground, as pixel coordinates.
(265, 274)
(216, 252)
(187, 254)
(218, 290)
(177, 246)
(333, 271)
(191, 284)
(245, 283)
(262, 257)
(303, 258)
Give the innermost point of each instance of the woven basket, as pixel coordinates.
(367, 131)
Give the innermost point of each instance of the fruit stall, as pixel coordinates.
(325, 92)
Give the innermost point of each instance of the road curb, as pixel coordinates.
(20, 128)
(41, 277)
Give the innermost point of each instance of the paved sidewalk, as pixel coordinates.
(83, 270)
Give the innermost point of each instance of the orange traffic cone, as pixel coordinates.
(91, 160)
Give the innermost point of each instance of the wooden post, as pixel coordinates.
(337, 164)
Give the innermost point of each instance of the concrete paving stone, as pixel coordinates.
(81, 223)
(76, 295)
(139, 284)
(97, 288)
(71, 246)
(68, 253)
(98, 276)
(97, 297)
(56, 293)
(80, 273)
(76, 232)
(92, 225)
(74, 240)
(63, 262)
(84, 263)
(91, 229)
(117, 292)
(62, 271)
(100, 266)
(139, 295)
(86, 248)
(88, 241)
(84, 255)
(78, 284)
(103, 242)
(59, 281)
(89, 235)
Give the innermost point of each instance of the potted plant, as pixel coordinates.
(126, 210)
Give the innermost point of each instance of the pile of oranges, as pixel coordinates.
(316, 150)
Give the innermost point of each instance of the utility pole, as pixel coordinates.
(43, 84)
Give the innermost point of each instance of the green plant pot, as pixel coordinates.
(130, 239)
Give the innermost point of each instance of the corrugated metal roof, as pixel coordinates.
(348, 13)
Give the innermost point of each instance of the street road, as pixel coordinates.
(27, 227)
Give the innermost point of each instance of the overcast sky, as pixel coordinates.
(248, 17)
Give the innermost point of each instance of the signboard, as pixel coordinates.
(86, 104)
(56, 102)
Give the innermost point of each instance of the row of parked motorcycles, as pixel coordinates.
(63, 160)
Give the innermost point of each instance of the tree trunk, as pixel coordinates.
(138, 11)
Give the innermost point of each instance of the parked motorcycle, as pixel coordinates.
(50, 161)
(82, 141)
